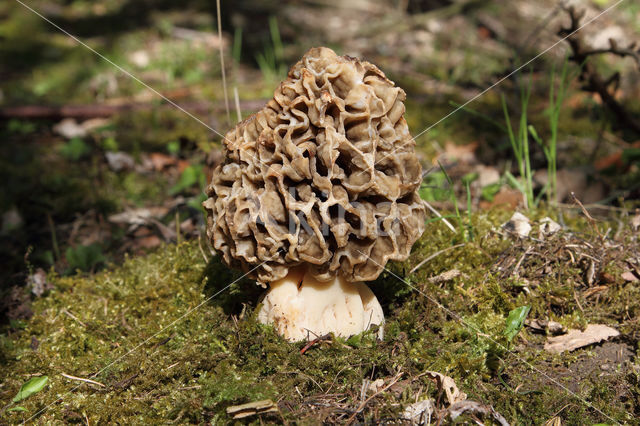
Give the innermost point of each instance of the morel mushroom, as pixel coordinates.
(317, 191)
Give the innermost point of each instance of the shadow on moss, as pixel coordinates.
(227, 288)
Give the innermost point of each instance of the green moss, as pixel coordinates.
(168, 345)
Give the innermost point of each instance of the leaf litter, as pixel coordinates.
(574, 339)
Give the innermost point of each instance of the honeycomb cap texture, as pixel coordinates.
(325, 175)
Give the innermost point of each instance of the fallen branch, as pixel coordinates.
(591, 80)
(84, 112)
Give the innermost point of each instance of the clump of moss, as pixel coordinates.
(169, 341)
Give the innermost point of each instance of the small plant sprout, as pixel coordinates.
(515, 321)
(28, 388)
(317, 192)
(550, 149)
(520, 145)
(270, 60)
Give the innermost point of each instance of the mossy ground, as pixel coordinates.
(169, 342)
(146, 329)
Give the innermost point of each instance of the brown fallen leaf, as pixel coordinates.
(69, 129)
(38, 282)
(445, 276)
(629, 276)
(375, 386)
(518, 225)
(543, 326)
(447, 384)
(487, 175)
(506, 196)
(420, 412)
(159, 160)
(119, 161)
(555, 421)
(139, 216)
(548, 227)
(595, 290)
(147, 242)
(252, 408)
(575, 339)
(459, 408)
(614, 160)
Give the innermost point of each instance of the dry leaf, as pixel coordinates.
(487, 175)
(94, 123)
(506, 196)
(555, 421)
(118, 161)
(548, 227)
(542, 325)
(139, 58)
(159, 160)
(575, 339)
(445, 276)
(419, 412)
(69, 129)
(518, 225)
(447, 384)
(629, 276)
(459, 408)
(38, 282)
(139, 216)
(595, 290)
(252, 408)
(376, 385)
(147, 242)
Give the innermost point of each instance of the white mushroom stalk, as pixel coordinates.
(317, 192)
(302, 308)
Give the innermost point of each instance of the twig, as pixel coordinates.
(591, 220)
(84, 112)
(436, 254)
(437, 213)
(73, 317)
(81, 379)
(592, 81)
(515, 269)
(313, 342)
(365, 402)
(122, 384)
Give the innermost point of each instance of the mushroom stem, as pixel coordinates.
(303, 308)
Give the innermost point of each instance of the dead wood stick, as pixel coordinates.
(87, 111)
(436, 254)
(592, 80)
(81, 379)
(365, 402)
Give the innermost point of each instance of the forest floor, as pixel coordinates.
(109, 288)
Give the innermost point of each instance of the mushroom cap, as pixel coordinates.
(324, 175)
